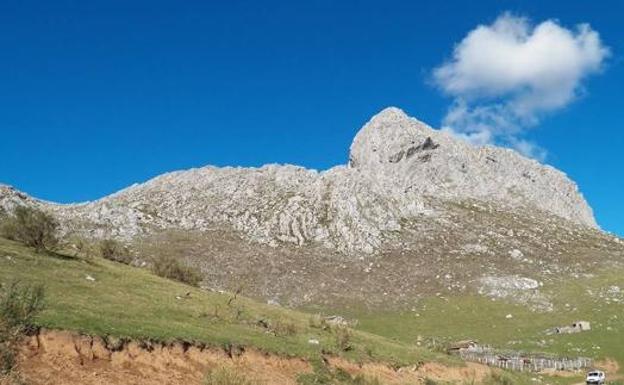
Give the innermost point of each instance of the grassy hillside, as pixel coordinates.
(100, 297)
(447, 252)
(124, 301)
(594, 298)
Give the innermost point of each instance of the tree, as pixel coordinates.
(32, 227)
(171, 268)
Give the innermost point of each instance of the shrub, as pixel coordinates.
(284, 328)
(317, 321)
(226, 376)
(343, 338)
(18, 307)
(114, 251)
(32, 227)
(171, 268)
(7, 358)
(78, 244)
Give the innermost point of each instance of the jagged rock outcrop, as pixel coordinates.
(397, 167)
(408, 157)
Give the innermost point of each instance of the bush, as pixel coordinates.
(343, 338)
(7, 358)
(32, 227)
(317, 321)
(225, 376)
(284, 328)
(18, 307)
(79, 245)
(114, 251)
(171, 268)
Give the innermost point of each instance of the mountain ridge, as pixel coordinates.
(397, 165)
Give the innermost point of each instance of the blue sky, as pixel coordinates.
(98, 95)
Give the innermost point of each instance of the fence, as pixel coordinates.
(525, 363)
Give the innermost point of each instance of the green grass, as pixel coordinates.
(475, 317)
(133, 303)
(129, 302)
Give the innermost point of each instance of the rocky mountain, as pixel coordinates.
(415, 211)
(396, 164)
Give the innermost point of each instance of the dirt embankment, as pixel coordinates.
(64, 358)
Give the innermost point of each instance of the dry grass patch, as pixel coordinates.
(227, 376)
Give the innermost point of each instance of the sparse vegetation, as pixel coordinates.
(226, 376)
(172, 268)
(32, 227)
(499, 378)
(324, 375)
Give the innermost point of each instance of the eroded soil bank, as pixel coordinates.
(64, 358)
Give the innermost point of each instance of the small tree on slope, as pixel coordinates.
(32, 227)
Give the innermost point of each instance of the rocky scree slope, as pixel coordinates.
(399, 171)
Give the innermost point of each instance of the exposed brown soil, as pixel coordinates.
(66, 358)
(609, 366)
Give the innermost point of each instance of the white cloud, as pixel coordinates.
(506, 75)
(529, 149)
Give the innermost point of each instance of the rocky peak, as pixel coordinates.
(400, 171)
(10, 197)
(409, 160)
(386, 138)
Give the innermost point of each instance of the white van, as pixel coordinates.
(595, 377)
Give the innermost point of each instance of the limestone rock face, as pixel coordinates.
(397, 166)
(408, 157)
